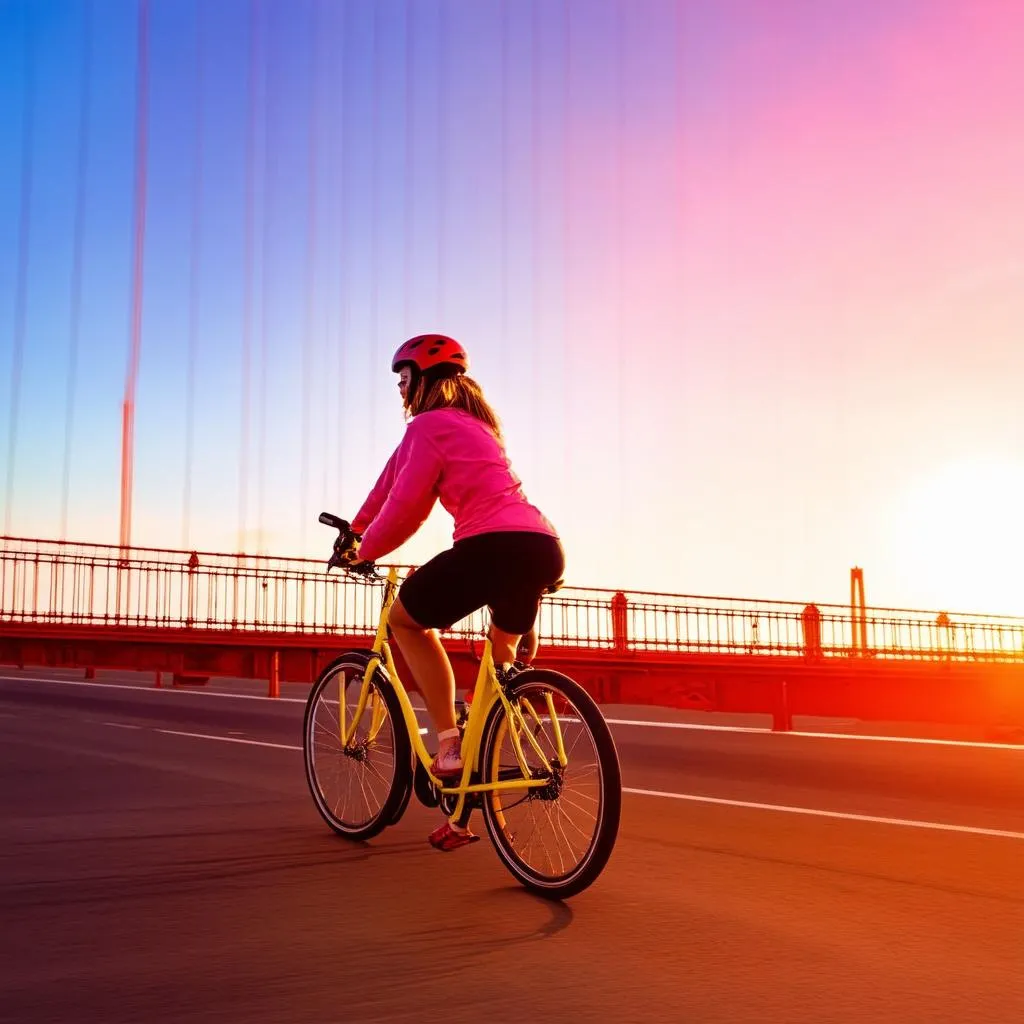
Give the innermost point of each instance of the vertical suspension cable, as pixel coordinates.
(139, 246)
(506, 359)
(620, 122)
(331, 335)
(566, 405)
(261, 428)
(344, 311)
(21, 285)
(74, 326)
(306, 402)
(375, 89)
(248, 270)
(442, 157)
(195, 259)
(325, 377)
(409, 230)
(679, 94)
(535, 222)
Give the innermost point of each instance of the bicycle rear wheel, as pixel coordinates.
(555, 839)
(361, 786)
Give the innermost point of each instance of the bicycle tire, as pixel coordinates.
(368, 751)
(403, 801)
(509, 843)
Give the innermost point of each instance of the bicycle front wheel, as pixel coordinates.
(555, 839)
(359, 771)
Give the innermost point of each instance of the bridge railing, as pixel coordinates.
(724, 626)
(55, 582)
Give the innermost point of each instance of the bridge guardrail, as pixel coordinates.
(54, 582)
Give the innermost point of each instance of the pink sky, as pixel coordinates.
(744, 280)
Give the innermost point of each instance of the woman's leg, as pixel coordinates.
(503, 646)
(432, 671)
(429, 665)
(526, 650)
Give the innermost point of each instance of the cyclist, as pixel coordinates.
(505, 553)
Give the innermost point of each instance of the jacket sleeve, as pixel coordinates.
(417, 469)
(376, 498)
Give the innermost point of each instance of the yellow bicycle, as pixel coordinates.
(538, 757)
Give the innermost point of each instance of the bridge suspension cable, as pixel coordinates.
(311, 281)
(194, 282)
(75, 312)
(252, 85)
(138, 258)
(21, 285)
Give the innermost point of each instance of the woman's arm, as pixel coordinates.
(376, 498)
(417, 468)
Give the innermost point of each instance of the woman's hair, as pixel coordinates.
(458, 392)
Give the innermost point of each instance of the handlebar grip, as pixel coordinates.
(343, 543)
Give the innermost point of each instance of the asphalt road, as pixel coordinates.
(161, 860)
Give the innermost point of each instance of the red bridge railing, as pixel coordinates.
(93, 585)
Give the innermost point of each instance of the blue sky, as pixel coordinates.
(744, 281)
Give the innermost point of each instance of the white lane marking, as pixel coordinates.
(92, 684)
(937, 826)
(228, 739)
(699, 727)
(693, 797)
(640, 723)
(925, 741)
(121, 725)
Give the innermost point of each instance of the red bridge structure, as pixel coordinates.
(197, 615)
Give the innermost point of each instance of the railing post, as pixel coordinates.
(275, 675)
(782, 718)
(948, 641)
(858, 612)
(811, 619)
(620, 622)
(190, 612)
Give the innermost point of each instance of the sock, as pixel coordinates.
(448, 734)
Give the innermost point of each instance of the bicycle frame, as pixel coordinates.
(486, 693)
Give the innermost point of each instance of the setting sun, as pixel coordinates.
(960, 534)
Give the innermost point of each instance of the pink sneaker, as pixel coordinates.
(448, 762)
(445, 838)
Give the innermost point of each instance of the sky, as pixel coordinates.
(743, 280)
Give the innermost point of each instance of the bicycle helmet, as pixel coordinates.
(438, 353)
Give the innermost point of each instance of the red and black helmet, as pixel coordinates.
(435, 352)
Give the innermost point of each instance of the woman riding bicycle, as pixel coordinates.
(504, 555)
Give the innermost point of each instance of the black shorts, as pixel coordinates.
(507, 572)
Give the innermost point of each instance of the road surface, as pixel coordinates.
(161, 860)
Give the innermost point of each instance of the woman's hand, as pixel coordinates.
(354, 562)
(350, 556)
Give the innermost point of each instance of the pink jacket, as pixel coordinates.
(450, 455)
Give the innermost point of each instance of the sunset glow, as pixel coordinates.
(961, 528)
(744, 281)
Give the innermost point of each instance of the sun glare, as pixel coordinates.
(962, 536)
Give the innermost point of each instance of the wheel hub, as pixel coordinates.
(358, 751)
(556, 782)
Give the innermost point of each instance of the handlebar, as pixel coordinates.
(344, 542)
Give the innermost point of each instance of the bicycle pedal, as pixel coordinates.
(426, 792)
